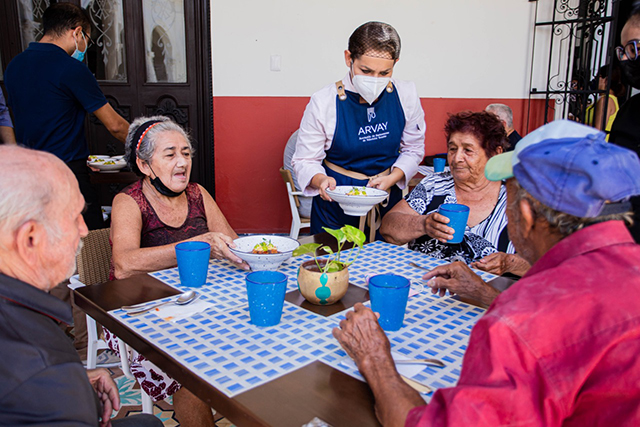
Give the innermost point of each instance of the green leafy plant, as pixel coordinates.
(345, 234)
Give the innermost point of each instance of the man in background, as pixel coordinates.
(50, 91)
(625, 130)
(505, 115)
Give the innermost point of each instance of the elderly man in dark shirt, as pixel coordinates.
(505, 114)
(41, 226)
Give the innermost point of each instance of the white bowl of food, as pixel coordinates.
(263, 251)
(357, 201)
(109, 165)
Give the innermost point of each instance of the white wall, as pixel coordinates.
(450, 48)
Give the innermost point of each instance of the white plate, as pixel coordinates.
(244, 246)
(357, 205)
(93, 158)
(119, 164)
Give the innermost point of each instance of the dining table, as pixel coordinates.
(294, 372)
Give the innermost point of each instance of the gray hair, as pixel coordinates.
(504, 112)
(23, 174)
(148, 145)
(564, 223)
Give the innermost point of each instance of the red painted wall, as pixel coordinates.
(249, 138)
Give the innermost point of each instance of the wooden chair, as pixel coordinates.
(297, 221)
(94, 262)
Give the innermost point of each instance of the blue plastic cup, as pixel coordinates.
(193, 263)
(265, 291)
(438, 164)
(389, 294)
(458, 216)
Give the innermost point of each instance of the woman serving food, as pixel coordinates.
(364, 130)
(148, 219)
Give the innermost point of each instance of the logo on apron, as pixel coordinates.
(371, 113)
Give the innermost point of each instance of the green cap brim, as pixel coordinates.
(500, 167)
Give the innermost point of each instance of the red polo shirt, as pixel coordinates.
(560, 347)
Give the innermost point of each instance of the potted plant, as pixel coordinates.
(325, 281)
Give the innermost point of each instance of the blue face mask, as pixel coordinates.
(78, 54)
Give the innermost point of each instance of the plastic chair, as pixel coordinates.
(297, 221)
(94, 262)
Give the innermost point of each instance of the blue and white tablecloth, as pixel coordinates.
(223, 348)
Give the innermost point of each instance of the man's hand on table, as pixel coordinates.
(362, 338)
(460, 279)
(107, 392)
(499, 263)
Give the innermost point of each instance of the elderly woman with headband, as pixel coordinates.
(162, 209)
(366, 129)
(148, 219)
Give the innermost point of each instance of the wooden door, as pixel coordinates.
(150, 57)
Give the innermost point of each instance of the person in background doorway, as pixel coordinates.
(50, 91)
(625, 130)
(608, 111)
(505, 114)
(364, 130)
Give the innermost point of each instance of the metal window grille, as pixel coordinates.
(573, 39)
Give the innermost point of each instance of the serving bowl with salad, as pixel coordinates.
(357, 201)
(264, 251)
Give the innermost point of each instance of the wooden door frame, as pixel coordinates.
(204, 85)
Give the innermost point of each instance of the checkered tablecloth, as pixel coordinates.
(222, 347)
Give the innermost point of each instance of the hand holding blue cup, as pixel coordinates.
(389, 294)
(193, 263)
(458, 216)
(265, 292)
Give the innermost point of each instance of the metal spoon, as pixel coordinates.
(182, 299)
(413, 264)
(434, 362)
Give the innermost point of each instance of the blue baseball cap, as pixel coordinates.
(571, 168)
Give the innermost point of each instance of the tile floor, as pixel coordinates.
(131, 405)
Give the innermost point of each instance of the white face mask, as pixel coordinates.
(369, 87)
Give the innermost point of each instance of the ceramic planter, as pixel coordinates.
(322, 288)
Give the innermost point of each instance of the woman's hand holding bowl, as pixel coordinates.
(436, 227)
(220, 247)
(322, 182)
(382, 182)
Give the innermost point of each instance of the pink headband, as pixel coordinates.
(144, 133)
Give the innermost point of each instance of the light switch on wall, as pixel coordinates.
(275, 63)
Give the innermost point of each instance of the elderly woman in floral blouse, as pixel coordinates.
(472, 138)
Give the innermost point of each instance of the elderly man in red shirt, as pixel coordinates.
(561, 346)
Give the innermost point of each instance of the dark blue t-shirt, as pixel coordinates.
(50, 93)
